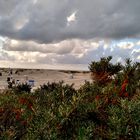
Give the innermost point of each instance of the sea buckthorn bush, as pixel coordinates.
(107, 108)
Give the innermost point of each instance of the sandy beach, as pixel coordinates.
(42, 76)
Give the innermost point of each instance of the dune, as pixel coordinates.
(42, 76)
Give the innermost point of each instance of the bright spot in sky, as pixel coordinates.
(35, 1)
(71, 18)
(14, 42)
(21, 23)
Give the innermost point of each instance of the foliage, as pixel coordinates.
(104, 69)
(23, 87)
(58, 111)
(16, 113)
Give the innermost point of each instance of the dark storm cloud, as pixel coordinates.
(46, 20)
(7, 6)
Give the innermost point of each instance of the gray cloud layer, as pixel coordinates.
(46, 20)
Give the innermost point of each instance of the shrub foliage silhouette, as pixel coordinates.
(105, 109)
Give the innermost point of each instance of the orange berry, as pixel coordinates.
(97, 97)
(126, 94)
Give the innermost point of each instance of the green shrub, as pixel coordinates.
(20, 88)
(58, 111)
(16, 114)
(104, 69)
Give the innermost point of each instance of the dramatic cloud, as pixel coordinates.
(71, 52)
(47, 20)
(70, 31)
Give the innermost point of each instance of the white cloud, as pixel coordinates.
(69, 51)
(138, 43)
(71, 18)
(138, 57)
(126, 45)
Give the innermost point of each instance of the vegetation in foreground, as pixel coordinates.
(105, 109)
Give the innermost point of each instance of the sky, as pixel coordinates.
(68, 34)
